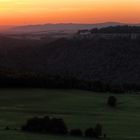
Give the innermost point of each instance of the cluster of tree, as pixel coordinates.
(46, 125)
(95, 132)
(117, 29)
(57, 126)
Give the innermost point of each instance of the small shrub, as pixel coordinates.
(105, 136)
(96, 132)
(15, 129)
(76, 132)
(89, 132)
(7, 128)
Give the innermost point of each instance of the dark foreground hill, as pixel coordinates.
(111, 62)
(115, 60)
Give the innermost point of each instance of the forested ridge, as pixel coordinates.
(74, 63)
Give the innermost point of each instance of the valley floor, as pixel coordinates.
(79, 109)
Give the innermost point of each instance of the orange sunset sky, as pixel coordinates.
(65, 11)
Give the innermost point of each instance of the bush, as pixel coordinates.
(76, 132)
(96, 132)
(89, 132)
(7, 128)
(57, 126)
(112, 101)
(45, 125)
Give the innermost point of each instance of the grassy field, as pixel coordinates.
(80, 109)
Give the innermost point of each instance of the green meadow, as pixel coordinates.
(79, 109)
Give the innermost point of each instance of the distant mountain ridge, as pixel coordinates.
(5, 28)
(62, 27)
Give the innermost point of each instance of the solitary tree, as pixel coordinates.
(112, 101)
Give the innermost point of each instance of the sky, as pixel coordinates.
(20, 12)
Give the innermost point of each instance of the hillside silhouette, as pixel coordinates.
(110, 61)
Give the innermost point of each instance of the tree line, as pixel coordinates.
(117, 29)
(66, 83)
(57, 126)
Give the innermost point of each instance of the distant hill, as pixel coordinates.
(4, 28)
(117, 29)
(113, 61)
(61, 27)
